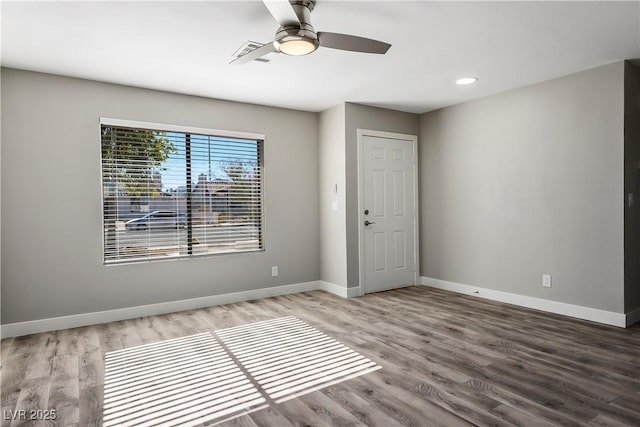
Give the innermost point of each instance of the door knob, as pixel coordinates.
(368, 223)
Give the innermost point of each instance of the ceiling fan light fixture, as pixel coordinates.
(296, 36)
(297, 46)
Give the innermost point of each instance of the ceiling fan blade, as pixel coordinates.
(254, 54)
(352, 43)
(282, 11)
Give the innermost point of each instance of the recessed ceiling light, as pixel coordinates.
(466, 80)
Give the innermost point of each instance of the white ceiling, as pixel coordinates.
(185, 47)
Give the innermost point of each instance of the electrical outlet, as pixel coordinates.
(274, 271)
(546, 280)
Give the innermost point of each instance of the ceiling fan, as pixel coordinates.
(296, 36)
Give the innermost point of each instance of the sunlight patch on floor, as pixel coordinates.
(180, 382)
(218, 376)
(289, 358)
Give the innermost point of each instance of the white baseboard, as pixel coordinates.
(633, 316)
(354, 292)
(341, 291)
(86, 319)
(578, 311)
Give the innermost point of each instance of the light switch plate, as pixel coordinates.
(546, 280)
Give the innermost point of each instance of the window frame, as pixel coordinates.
(163, 127)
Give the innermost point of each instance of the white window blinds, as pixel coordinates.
(169, 194)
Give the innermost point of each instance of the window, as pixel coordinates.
(171, 192)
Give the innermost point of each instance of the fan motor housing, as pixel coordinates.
(298, 33)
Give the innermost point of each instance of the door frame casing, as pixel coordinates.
(416, 241)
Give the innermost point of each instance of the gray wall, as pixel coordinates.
(52, 260)
(371, 118)
(333, 242)
(529, 182)
(632, 186)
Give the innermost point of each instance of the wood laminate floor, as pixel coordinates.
(446, 360)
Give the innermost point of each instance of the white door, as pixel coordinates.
(387, 212)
